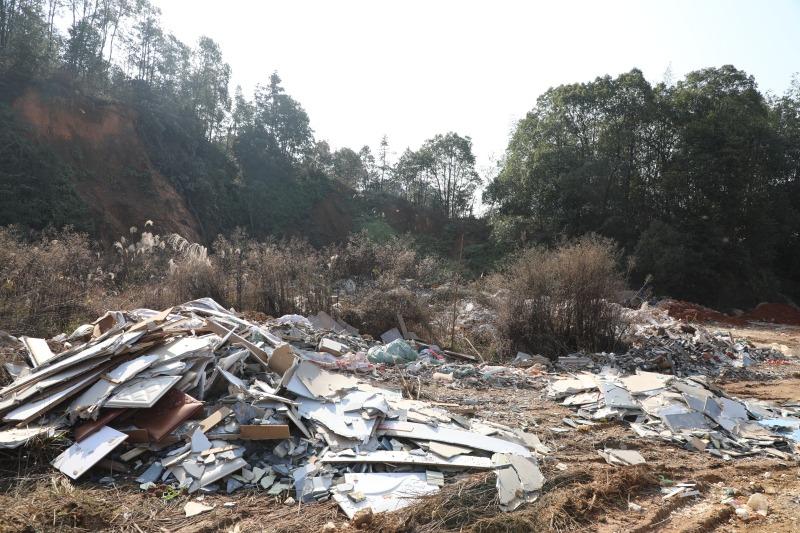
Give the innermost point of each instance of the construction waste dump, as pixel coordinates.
(660, 343)
(690, 412)
(198, 400)
(201, 400)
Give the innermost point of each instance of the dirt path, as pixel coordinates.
(576, 451)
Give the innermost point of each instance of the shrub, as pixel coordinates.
(397, 258)
(287, 277)
(559, 300)
(374, 310)
(45, 284)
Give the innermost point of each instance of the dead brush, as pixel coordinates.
(560, 300)
(374, 309)
(569, 502)
(44, 283)
(29, 462)
(286, 277)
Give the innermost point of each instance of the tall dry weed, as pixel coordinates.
(46, 284)
(553, 301)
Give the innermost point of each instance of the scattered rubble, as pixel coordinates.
(688, 411)
(660, 343)
(201, 400)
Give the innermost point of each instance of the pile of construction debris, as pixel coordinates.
(660, 343)
(200, 399)
(689, 411)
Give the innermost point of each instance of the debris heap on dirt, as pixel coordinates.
(688, 411)
(661, 343)
(199, 398)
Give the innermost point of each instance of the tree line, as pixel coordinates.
(119, 49)
(698, 180)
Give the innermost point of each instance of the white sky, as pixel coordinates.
(411, 69)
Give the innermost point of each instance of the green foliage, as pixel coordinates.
(35, 184)
(376, 229)
(201, 172)
(695, 178)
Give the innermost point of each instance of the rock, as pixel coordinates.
(363, 517)
(329, 527)
(289, 501)
(743, 514)
(636, 508)
(446, 378)
(758, 503)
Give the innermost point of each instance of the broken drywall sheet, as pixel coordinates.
(33, 409)
(569, 386)
(195, 508)
(92, 398)
(310, 381)
(448, 451)
(582, 398)
(391, 335)
(617, 397)
(518, 480)
(406, 458)
(199, 441)
(382, 491)
(332, 347)
(16, 437)
(622, 457)
(451, 435)
(38, 350)
(217, 471)
(350, 425)
(143, 393)
(81, 456)
(281, 359)
(532, 442)
(645, 382)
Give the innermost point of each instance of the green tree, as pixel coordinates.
(282, 119)
(348, 167)
(208, 86)
(450, 172)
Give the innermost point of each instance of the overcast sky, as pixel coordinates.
(411, 69)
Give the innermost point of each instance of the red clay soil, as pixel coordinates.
(118, 182)
(764, 312)
(776, 313)
(697, 313)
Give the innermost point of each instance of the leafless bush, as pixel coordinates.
(396, 259)
(287, 277)
(555, 301)
(46, 283)
(374, 310)
(54, 283)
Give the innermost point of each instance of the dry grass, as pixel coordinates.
(61, 279)
(48, 503)
(569, 502)
(45, 284)
(557, 300)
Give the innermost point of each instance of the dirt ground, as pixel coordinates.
(582, 493)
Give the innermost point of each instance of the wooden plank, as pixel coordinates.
(402, 324)
(264, 432)
(214, 418)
